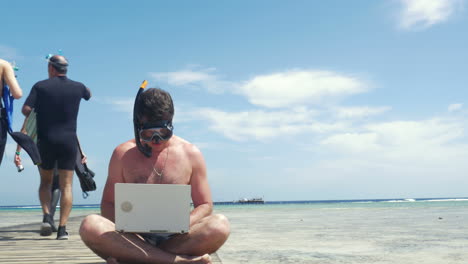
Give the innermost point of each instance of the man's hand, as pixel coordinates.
(84, 159)
(17, 160)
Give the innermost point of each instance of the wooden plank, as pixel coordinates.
(23, 244)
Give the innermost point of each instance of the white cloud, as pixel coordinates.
(421, 14)
(124, 105)
(185, 77)
(353, 142)
(427, 141)
(283, 89)
(358, 112)
(202, 78)
(299, 87)
(435, 131)
(263, 125)
(455, 107)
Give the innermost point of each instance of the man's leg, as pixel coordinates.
(65, 182)
(55, 198)
(99, 234)
(206, 236)
(44, 197)
(45, 189)
(55, 191)
(55, 194)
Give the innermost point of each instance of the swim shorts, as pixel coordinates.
(155, 239)
(63, 153)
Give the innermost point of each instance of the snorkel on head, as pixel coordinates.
(151, 132)
(56, 62)
(146, 150)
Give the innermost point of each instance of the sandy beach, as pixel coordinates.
(433, 234)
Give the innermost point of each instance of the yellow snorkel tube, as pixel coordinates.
(136, 123)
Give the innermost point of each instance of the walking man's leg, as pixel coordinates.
(66, 201)
(45, 197)
(55, 194)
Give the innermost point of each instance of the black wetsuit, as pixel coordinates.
(57, 101)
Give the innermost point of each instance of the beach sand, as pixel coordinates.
(433, 235)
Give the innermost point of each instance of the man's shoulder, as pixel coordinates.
(75, 82)
(42, 82)
(125, 147)
(3, 63)
(188, 147)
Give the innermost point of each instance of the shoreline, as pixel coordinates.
(272, 202)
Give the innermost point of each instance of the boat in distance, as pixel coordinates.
(251, 201)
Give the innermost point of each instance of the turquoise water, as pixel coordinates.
(14, 215)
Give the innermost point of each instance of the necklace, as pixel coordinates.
(156, 172)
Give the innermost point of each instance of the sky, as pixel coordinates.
(287, 100)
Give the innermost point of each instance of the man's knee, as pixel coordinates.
(89, 228)
(45, 184)
(219, 227)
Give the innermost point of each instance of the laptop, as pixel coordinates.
(152, 208)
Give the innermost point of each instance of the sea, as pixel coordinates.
(406, 230)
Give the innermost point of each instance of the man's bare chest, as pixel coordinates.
(171, 172)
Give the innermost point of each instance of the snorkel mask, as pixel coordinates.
(156, 133)
(150, 132)
(50, 59)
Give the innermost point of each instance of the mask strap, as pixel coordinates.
(144, 149)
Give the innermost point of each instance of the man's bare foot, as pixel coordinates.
(205, 259)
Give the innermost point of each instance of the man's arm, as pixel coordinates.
(10, 79)
(26, 110)
(30, 102)
(87, 93)
(115, 175)
(17, 159)
(201, 193)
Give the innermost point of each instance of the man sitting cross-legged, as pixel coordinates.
(172, 160)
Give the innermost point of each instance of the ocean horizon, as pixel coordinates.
(279, 202)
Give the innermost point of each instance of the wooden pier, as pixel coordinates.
(23, 244)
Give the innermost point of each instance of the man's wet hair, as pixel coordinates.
(155, 105)
(59, 63)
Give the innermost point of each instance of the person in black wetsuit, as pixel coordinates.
(55, 193)
(56, 102)
(7, 76)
